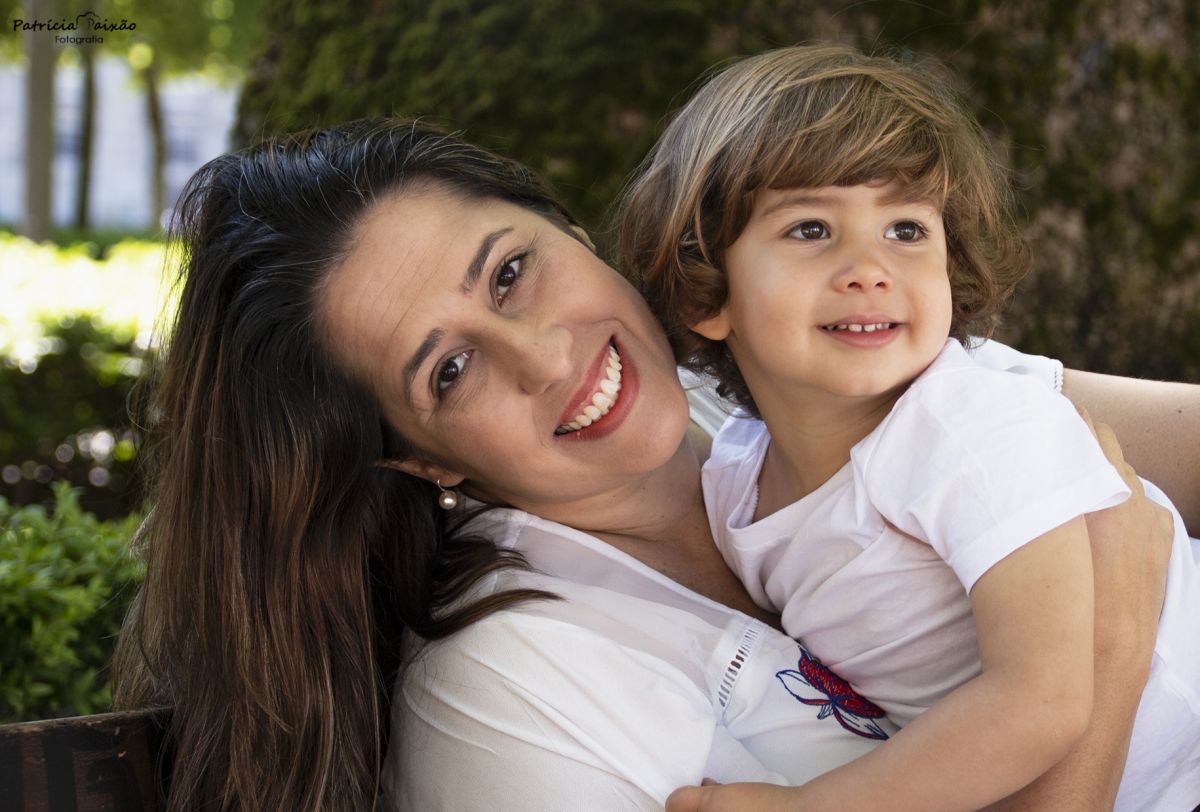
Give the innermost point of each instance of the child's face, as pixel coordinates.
(834, 292)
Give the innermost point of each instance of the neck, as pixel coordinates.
(651, 508)
(660, 520)
(811, 440)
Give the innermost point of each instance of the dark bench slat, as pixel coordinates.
(103, 763)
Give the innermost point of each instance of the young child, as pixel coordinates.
(821, 231)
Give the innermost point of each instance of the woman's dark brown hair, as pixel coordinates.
(283, 562)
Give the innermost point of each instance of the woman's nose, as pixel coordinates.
(540, 355)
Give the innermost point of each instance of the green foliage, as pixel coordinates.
(1092, 102)
(66, 580)
(572, 88)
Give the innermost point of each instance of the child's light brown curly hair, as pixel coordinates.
(809, 117)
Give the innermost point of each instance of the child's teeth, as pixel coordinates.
(610, 387)
(592, 413)
(861, 328)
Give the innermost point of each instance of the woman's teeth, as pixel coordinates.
(860, 328)
(602, 400)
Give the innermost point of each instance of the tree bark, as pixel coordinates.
(159, 142)
(39, 124)
(87, 128)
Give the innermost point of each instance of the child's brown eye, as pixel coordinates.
(905, 231)
(810, 230)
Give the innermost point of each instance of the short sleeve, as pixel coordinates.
(978, 463)
(1003, 358)
(526, 712)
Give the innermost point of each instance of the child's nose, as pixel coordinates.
(863, 274)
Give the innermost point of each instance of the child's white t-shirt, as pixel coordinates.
(974, 462)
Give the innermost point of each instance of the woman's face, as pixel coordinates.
(487, 334)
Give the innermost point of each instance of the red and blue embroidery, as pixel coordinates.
(814, 684)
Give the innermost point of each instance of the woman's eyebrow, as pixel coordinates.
(410, 369)
(476, 267)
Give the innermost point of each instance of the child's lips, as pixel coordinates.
(874, 331)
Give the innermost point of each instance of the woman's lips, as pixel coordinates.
(603, 394)
(610, 368)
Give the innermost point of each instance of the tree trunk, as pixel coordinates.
(39, 123)
(159, 142)
(87, 127)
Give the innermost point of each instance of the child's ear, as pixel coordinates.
(714, 328)
(424, 469)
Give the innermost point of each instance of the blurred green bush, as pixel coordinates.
(65, 417)
(74, 335)
(66, 579)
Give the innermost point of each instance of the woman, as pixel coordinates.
(376, 319)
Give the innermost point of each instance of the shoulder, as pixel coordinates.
(993, 354)
(742, 438)
(965, 425)
(958, 402)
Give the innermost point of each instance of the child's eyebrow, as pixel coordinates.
(801, 198)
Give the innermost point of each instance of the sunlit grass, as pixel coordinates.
(42, 283)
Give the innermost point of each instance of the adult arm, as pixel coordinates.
(1159, 427)
(1130, 547)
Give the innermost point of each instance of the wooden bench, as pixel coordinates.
(111, 762)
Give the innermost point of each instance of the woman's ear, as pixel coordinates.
(715, 328)
(583, 237)
(424, 469)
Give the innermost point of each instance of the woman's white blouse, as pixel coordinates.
(625, 689)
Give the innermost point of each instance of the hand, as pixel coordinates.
(1131, 544)
(713, 797)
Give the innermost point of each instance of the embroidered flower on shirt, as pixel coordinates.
(814, 684)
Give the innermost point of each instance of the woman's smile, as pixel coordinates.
(595, 398)
(610, 401)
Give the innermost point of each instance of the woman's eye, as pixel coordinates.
(450, 370)
(810, 230)
(905, 231)
(507, 275)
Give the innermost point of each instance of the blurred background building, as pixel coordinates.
(198, 113)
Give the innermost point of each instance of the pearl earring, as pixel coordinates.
(447, 500)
